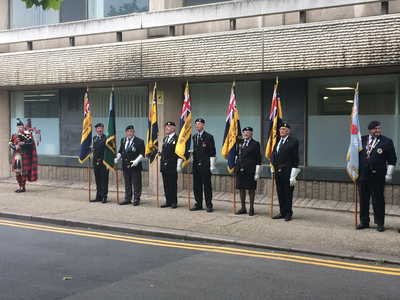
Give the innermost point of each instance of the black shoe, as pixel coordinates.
(241, 211)
(209, 209)
(173, 206)
(165, 205)
(95, 200)
(104, 200)
(251, 212)
(278, 216)
(21, 190)
(362, 226)
(288, 218)
(17, 191)
(136, 203)
(194, 208)
(381, 228)
(125, 202)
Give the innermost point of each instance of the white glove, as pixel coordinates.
(213, 161)
(190, 151)
(272, 171)
(179, 165)
(257, 174)
(119, 155)
(293, 175)
(389, 173)
(137, 160)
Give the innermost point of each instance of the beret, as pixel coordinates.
(373, 124)
(99, 125)
(285, 125)
(248, 129)
(129, 127)
(200, 120)
(170, 124)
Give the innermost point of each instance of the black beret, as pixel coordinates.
(285, 125)
(373, 124)
(129, 127)
(20, 123)
(99, 125)
(200, 120)
(248, 129)
(170, 123)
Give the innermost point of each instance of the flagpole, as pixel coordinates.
(355, 204)
(157, 179)
(188, 179)
(272, 194)
(89, 176)
(234, 194)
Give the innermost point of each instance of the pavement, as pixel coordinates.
(318, 227)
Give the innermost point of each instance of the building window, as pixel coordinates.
(35, 16)
(42, 107)
(200, 2)
(131, 108)
(210, 101)
(109, 8)
(330, 101)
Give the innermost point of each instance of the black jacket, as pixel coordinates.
(248, 158)
(98, 150)
(136, 148)
(287, 158)
(169, 158)
(383, 152)
(202, 152)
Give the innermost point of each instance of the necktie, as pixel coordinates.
(244, 145)
(198, 138)
(280, 145)
(166, 141)
(370, 145)
(128, 144)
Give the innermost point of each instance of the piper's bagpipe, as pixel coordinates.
(32, 130)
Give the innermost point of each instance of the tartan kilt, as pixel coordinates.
(26, 162)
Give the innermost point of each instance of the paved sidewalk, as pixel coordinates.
(318, 227)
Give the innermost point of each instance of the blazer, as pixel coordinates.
(169, 158)
(248, 158)
(382, 154)
(136, 148)
(287, 158)
(202, 152)
(98, 150)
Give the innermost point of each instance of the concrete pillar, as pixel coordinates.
(4, 21)
(5, 168)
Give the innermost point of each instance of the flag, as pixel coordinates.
(152, 132)
(111, 143)
(355, 140)
(275, 120)
(86, 140)
(232, 132)
(185, 132)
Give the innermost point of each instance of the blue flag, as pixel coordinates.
(86, 140)
(185, 132)
(152, 132)
(275, 121)
(232, 133)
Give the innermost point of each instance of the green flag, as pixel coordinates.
(111, 144)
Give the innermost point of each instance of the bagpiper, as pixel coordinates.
(24, 154)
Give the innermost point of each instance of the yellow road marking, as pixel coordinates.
(208, 248)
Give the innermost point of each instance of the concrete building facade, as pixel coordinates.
(319, 50)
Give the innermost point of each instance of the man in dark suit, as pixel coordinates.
(100, 170)
(247, 169)
(286, 163)
(204, 160)
(377, 151)
(132, 152)
(168, 166)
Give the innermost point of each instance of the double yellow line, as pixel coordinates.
(225, 250)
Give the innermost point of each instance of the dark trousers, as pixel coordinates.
(375, 189)
(133, 179)
(285, 196)
(170, 187)
(201, 179)
(101, 176)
